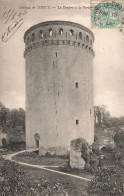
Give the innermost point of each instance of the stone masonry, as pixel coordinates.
(59, 84)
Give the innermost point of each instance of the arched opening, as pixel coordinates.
(60, 31)
(37, 143)
(80, 35)
(41, 33)
(50, 32)
(71, 32)
(33, 36)
(87, 38)
(37, 138)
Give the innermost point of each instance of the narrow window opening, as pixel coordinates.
(33, 36)
(71, 32)
(80, 35)
(87, 38)
(56, 54)
(90, 111)
(50, 32)
(60, 31)
(77, 122)
(41, 33)
(76, 84)
(28, 40)
(66, 34)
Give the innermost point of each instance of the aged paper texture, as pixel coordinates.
(61, 97)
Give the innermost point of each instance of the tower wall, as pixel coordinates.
(59, 84)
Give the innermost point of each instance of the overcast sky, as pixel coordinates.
(108, 61)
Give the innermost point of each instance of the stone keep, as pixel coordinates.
(59, 84)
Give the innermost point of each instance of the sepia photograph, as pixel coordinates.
(62, 98)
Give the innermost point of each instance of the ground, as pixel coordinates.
(62, 162)
(35, 159)
(70, 184)
(73, 186)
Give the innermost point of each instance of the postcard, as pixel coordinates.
(61, 97)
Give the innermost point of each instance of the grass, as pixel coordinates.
(63, 163)
(73, 171)
(35, 159)
(74, 186)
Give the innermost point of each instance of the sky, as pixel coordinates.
(108, 63)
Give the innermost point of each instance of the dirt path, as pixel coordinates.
(43, 167)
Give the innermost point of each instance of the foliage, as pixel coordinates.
(3, 114)
(103, 118)
(43, 188)
(108, 181)
(12, 183)
(119, 139)
(12, 118)
(4, 143)
(98, 115)
(13, 123)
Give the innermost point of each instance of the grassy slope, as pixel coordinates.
(74, 186)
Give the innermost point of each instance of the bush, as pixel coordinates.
(119, 139)
(108, 181)
(11, 181)
(16, 146)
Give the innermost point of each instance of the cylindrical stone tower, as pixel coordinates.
(59, 84)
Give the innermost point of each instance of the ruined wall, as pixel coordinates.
(78, 145)
(59, 84)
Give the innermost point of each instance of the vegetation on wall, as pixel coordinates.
(108, 179)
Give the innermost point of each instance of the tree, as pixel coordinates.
(103, 118)
(13, 123)
(3, 114)
(101, 115)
